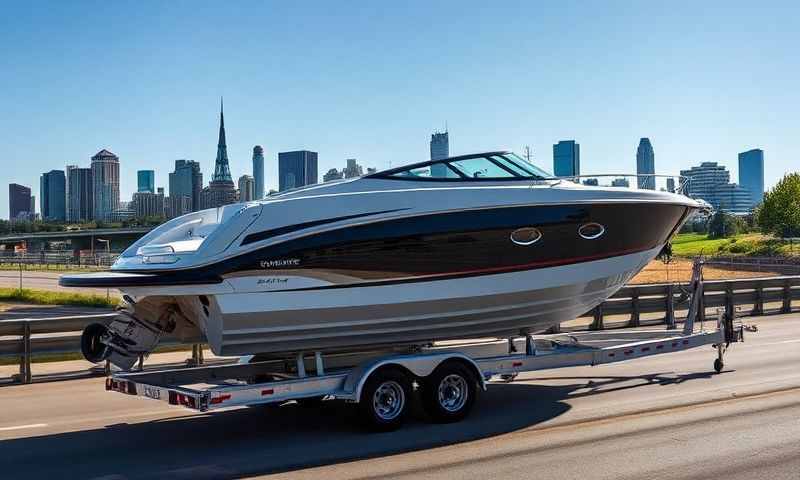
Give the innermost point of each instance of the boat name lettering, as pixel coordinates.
(282, 262)
(272, 280)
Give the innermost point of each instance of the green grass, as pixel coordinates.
(49, 268)
(42, 297)
(753, 244)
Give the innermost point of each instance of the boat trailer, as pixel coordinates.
(448, 375)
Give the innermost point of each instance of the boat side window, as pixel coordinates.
(482, 167)
(436, 170)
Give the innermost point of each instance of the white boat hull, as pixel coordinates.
(416, 312)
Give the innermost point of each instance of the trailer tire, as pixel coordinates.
(384, 401)
(449, 393)
(92, 349)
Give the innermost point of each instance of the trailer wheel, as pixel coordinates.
(92, 348)
(449, 393)
(384, 400)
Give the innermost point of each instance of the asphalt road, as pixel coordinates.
(660, 417)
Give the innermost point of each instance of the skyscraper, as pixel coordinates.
(146, 181)
(222, 171)
(258, 171)
(440, 148)
(149, 204)
(53, 195)
(296, 169)
(247, 188)
(645, 164)
(566, 158)
(220, 191)
(751, 173)
(105, 185)
(440, 145)
(19, 202)
(711, 182)
(186, 180)
(80, 197)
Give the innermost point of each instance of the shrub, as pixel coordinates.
(779, 213)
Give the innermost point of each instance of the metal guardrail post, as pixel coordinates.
(787, 297)
(669, 317)
(25, 362)
(729, 304)
(758, 308)
(635, 318)
(597, 324)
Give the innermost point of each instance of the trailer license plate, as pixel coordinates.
(153, 393)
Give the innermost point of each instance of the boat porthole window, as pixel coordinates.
(591, 231)
(526, 236)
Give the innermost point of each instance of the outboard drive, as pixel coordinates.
(131, 334)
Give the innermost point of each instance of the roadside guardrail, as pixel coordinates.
(666, 303)
(631, 306)
(26, 338)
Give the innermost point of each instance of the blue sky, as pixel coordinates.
(372, 80)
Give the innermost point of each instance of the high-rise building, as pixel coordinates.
(332, 174)
(186, 180)
(146, 181)
(711, 182)
(645, 165)
(20, 205)
(258, 171)
(566, 158)
(751, 173)
(177, 205)
(148, 204)
(671, 185)
(53, 196)
(440, 145)
(80, 196)
(220, 191)
(296, 169)
(440, 148)
(105, 185)
(353, 169)
(247, 188)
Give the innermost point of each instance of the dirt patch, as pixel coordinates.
(680, 270)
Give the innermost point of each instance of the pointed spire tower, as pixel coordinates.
(222, 171)
(220, 190)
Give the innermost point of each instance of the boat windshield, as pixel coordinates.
(494, 166)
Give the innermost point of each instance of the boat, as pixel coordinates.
(480, 245)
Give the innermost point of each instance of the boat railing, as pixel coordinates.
(667, 183)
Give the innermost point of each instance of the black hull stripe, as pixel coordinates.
(470, 273)
(258, 236)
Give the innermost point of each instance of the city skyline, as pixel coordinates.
(685, 88)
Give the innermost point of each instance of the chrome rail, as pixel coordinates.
(641, 182)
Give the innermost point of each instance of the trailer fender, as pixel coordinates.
(420, 365)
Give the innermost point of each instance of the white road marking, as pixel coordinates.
(23, 427)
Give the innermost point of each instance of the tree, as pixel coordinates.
(779, 213)
(724, 225)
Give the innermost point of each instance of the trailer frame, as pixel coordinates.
(448, 373)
